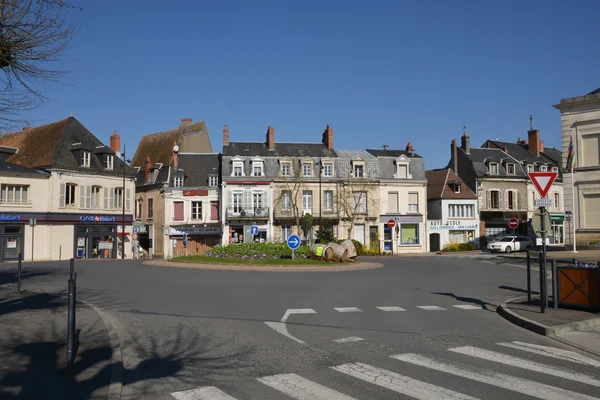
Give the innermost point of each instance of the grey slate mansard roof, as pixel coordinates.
(520, 152)
(480, 155)
(198, 167)
(252, 149)
(386, 158)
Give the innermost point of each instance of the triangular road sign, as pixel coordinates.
(543, 181)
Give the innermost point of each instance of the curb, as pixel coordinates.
(115, 387)
(552, 332)
(264, 268)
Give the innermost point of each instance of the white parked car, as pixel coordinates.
(510, 243)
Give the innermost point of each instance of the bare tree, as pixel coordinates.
(33, 35)
(290, 194)
(355, 198)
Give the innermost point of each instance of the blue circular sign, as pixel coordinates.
(185, 240)
(254, 230)
(293, 242)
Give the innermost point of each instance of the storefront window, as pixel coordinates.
(409, 234)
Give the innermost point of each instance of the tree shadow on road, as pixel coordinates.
(471, 300)
(518, 290)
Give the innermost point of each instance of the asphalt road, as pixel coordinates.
(420, 327)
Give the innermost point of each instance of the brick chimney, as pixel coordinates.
(534, 141)
(328, 137)
(115, 143)
(522, 142)
(186, 121)
(271, 138)
(409, 147)
(175, 158)
(505, 149)
(541, 146)
(147, 167)
(454, 156)
(225, 135)
(465, 143)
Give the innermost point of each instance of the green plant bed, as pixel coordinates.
(268, 261)
(459, 247)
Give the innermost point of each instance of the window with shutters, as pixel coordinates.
(95, 197)
(68, 195)
(359, 202)
(511, 199)
(393, 202)
(328, 200)
(214, 210)
(413, 202)
(128, 199)
(118, 198)
(15, 194)
(150, 208)
(138, 210)
(402, 171)
(178, 211)
(85, 197)
(196, 210)
(494, 199)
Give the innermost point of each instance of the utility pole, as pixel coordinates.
(125, 160)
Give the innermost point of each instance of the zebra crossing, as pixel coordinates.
(516, 379)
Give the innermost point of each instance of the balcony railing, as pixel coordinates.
(289, 213)
(238, 212)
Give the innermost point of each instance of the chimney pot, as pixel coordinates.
(534, 141)
(147, 167)
(454, 156)
(466, 143)
(271, 138)
(328, 137)
(225, 135)
(409, 147)
(186, 121)
(115, 143)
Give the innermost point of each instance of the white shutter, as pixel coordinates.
(515, 197)
(247, 200)
(500, 199)
(63, 189)
(106, 203)
(489, 199)
(88, 197)
(111, 198)
(81, 196)
(128, 199)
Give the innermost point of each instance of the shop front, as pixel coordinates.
(244, 234)
(446, 232)
(557, 231)
(12, 233)
(96, 237)
(406, 236)
(193, 240)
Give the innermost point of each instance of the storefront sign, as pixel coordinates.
(10, 217)
(97, 218)
(557, 217)
(402, 218)
(201, 230)
(451, 225)
(195, 192)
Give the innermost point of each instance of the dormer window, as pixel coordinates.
(237, 164)
(108, 162)
(86, 159)
(544, 168)
(402, 170)
(155, 175)
(554, 169)
(457, 188)
(213, 180)
(286, 169)
(306, 169)
(530, 168)
(327, 170)
(510, 169)
(493, 168)
(359, 171)
(178, 181)
(257, 168)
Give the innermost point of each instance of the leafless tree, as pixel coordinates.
(291, 192)
(33, 36)
(356, 198)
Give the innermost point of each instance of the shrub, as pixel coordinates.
(452, 246)
(271, 250)
(360, 249)
(325, 233)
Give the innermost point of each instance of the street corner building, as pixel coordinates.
(452, 211)
(580, 129)
(63, 194)
(178, 192)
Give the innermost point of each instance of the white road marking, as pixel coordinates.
(431, 308)
(553, 352)
(468, 307)
(202, 393)
(392, 308)
(525, 364)
(302, 389)
(347, 309)
(399, 383)
(291, 311)
(349, 339)
(282, 328)
(524, 386)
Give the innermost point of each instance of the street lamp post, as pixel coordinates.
(125, 161)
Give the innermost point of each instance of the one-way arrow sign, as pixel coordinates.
(543, 181)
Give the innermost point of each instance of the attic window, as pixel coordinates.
(510, 169)
(554, 169)
(108, 162)
(530, 168)
(238, 168)
(86, 159)
(178, 181)
(213, 180)
(544, 168)
(493, 168)
(457, 188)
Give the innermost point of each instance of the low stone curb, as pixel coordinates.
(335, 267)
(553, 332)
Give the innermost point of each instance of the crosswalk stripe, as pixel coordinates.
(202, 393)
(348, 339)
(468, 307)
(302, 389)
(524, 386)
(347, 309)
(431, 308)
(525, 364)
(553, 352)
(391, 308)
(399, 383)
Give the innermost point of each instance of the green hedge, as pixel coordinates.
(459, 247)
(255, 251)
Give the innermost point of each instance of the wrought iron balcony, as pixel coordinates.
(250, 212)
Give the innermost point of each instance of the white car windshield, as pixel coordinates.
(506, 239)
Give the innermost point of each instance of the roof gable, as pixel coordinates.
(440, 185)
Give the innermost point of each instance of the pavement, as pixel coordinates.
(33, 337)
(588, 256)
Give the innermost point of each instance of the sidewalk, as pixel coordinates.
(587, 256)
(33, 336)
(577, 328)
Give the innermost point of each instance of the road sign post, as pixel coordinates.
(513, 223)
(543, 181)
(293, 243)
(254, 231)
(391, 223)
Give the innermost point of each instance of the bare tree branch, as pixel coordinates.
(356, 197)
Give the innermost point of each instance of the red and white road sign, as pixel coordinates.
(391, 223)
(513, 223)
(134, 236)
(543, 181)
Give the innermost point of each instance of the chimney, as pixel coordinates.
(505, 149)
(186, 121)
(225, 135)
(454, 156)
(522, 142)
(534, 141)
(147, 167)
(271, 138)
(115, 143)
(26, 127)
(465, 143)
(328, 137)
(175, 157)
(409, 147)
(541, 146)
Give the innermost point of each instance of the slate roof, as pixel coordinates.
(198, 167)
(393, 153)
(522, 153)
(597, 91)
(439, 185)
(281, 150)
(52, 145)
(479, 157)
(160, 145)
(163, 176)
(355, 154)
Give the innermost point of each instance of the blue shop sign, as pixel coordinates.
(10, 217)
(97, 218)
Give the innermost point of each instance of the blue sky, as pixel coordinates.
(377, 71)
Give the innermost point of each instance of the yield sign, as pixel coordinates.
(543, 181)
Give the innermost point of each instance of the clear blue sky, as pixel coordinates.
(377, 71)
